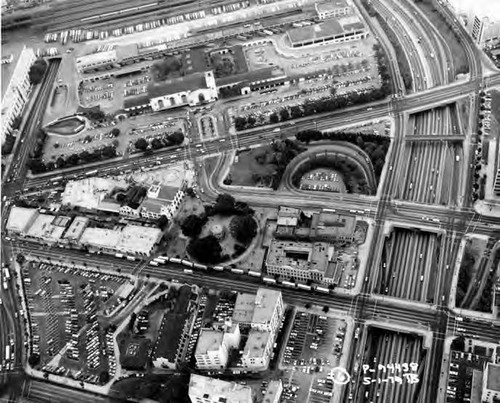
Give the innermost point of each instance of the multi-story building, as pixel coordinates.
(213, 346)
(17, 91)
(263, 313)
(194, 89)
(491, 384)
(273, 392)
(167, 198)
(344, 29)
(481, 19)
(208, 390)
(301, 261)
(332, 9)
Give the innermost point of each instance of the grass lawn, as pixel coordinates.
(495, 112)
(463, 106)
(253, 167)
(457, 50)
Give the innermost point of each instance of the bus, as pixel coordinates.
(188, 271)
(253, 273)
(237, 271)
(288, 283)
(200, 266)
(218, 268)
(153, 263)
(7, 352)
(304, 287)
(56, 179)
(323, 290)
(175, 260)
(5, 285)
(269, 280)
(120, 255)
(90, 173)
(6, 273)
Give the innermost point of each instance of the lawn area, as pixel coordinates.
(252, 168)
(457, 50)
(463, 106)
(495, 113)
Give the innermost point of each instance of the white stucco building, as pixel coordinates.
(194, 89)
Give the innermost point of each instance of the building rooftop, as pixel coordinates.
(217, 391)
(265, 304)
(151, 205)
(191, 82)
(209, 340)
(483, 8)
(89, 192)
(137, 239)
(288, 216)
(100, 237)
(43, 228)
(76, 228)
(331, 6)
(333, 225)
(256, 343)
(134, 102)
(20, 218)
(96, 58)
(273, 391)
(299, 255)
(493, 377)
(330, 28)
(244, 308)
(260, 75)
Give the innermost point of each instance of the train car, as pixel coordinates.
(57, 178)
(153, 263)
(288, 284)
(7, 353)
(131, 258)
(304, 287)
(323, 290)
(269, 280)
(187, 263)
(254, 273)
(159, 260)
(200, 266)
(218, 268)
(90, 173)
(165, 258)
(120, 255)
(5, 285)
(188, 271)
(237, 271)
(175, 260)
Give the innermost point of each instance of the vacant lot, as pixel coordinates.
(457, 50)
(253, 168)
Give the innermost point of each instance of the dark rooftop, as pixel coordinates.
(172, 86)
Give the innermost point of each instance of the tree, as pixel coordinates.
(326, 308)
(162, 222)
(60, 162)
(240, 123)
(296, 112)
(37, 71)
(274, 118)
(308, 305)
(192, 225)
(243, 228)
(20, 258)
(205, 250)
(251, 121)
(156, 144)
(176, 137)
(34, 359)
(115, 132)
(104, 377)
(224, 204)
(190, 192)
(284, 114)
(141, 144)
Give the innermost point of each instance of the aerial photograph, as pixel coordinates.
(250, 201)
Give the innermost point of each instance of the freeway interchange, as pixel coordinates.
(437, 213)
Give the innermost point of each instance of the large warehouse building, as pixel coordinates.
(332, 31)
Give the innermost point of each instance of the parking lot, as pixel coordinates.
(207, 127)
(323, 180)
(314, 346)
(65, 307)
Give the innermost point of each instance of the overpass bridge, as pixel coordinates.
(439, 137)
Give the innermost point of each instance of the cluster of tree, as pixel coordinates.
(8, 145)
(172, 139)
(94, 113)
(243, 228)
(353, 175)
(312, 107)
(383, 70)
(403, 63)
(283, 152)
(374, 145)
(41, 136)
(464, 276)
(163, 69)
(37, 166)
(229, 92)
(226, 205)
(37, 71)
(223, 65)
(485, 303)
(206, 249)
